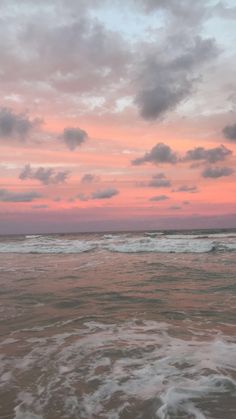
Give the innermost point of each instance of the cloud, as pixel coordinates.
(225, 11)
(159, 181)
(160, 153)
(175, 207)
(82, 197)
(187, 188)
(74, 137)
(80, 54)
(216, 172)
(105, 193)
(88, 178)
(13, 125)
(190, 13)
(211, 155)
(8, 196)
(42, 206)
(169, 73)
(44, 175)
(87, 61)
(159, 198)
(229, 132)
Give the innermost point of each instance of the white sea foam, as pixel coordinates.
(46, 244)
(123, 243)
(130, 364)
(171, 244)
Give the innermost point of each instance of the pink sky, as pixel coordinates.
(117, 118)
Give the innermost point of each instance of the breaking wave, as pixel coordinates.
(123, 243)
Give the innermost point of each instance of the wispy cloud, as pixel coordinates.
(105, 193)
(159, 198)
(187, 188)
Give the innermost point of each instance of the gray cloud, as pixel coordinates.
(216, 172)
(175, 207)
(74, 137)
(187, 188)
(159, 198)
(169, 74)
(190, 13)
(42, 206)
(91, 62)
(229, 132)
(44, 175)
(82, 197)
(159, 180)
(80, 54)
(8, 196)
(211, 155)
(88, 178)
(105, 193)
(15, 125)
(160, 153)
(225, 11)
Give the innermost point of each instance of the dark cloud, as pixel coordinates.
(211, 155)
(13, 125)
(229, 132)
(159, 198)
(8, 196)
(186, 202)
(160, 153)
(45, 175)
(187, 188)
(105, 193)
(74, 137)
(216, 172)
(88, 178)
(169, 74)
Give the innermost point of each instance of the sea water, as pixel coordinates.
(118, 326)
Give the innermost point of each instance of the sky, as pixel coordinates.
(117, 115)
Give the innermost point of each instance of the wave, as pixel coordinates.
(132, 369)
(47, 244)
(123, 243)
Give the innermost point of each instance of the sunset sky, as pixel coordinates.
(117, 115)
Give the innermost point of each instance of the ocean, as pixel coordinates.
(118, 326)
